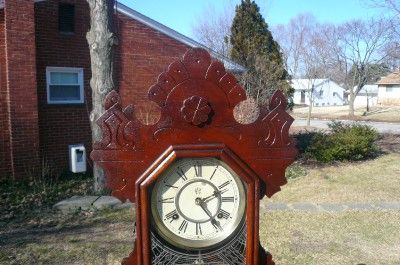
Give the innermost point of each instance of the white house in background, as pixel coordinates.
(326, 92)
(368, 95)
(389, 89)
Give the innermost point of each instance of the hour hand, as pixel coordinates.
(214, 195)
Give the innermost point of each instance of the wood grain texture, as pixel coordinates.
(196, 97)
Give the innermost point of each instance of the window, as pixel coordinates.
(66, 18)
(64, 85)
(389, 88)
(303, 96)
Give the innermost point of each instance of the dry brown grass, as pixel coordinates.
(371, 181)
(388, 114)
(85, 238)
(297, 238)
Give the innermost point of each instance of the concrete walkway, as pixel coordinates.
(330, 207)
(382, 127)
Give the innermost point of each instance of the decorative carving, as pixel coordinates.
(277, 122)
(190, 92)
(117, 125)
(195, 110)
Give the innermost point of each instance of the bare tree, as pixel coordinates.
(213, 28)
(359, 45)
(101, 40)
(306, 52)
(389, 5)
(292, 39)
(316, 61)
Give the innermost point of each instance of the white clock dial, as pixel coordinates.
(198, 203)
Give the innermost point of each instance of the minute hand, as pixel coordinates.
(203, 206)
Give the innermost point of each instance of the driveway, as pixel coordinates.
(382, 127)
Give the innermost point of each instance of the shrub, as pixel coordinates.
(344, 142)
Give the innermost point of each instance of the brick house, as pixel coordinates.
(45, 96)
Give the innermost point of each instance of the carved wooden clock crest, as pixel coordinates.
(197, 175)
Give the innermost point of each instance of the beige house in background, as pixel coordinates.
(389, 89)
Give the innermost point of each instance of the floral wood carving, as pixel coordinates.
(195, 110)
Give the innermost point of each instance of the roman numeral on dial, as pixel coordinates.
(198, 170)
(198, 229)
(227, 199)
(183, 226)
(170, 186)
(167, 200)
(212, 175)
(172, 215)
(181, 174)
(223, 184)
(223, 214)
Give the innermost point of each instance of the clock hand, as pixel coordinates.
(203, 206)
(214, 195)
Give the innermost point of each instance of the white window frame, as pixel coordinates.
(77, 70)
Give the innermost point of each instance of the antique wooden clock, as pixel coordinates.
(197, 175)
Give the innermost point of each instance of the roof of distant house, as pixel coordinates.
(369, 90)
(390, 79)
(229, 64)
(306, 84)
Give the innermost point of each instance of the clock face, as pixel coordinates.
(198, 203)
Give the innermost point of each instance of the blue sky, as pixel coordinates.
(182, 14)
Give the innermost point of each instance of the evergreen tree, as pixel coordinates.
(254, 47)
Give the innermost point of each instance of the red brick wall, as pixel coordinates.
(142, 55)
(21, 82)
(61, 125)
(5, 158)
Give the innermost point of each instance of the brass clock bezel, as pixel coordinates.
(190, 244)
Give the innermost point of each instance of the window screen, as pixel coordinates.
(66, 18)
(64, 85)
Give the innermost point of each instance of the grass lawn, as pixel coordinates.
(354, 237)
(84, 238)
(388, 114)
(376, 180)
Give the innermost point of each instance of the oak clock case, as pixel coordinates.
(198, 204)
